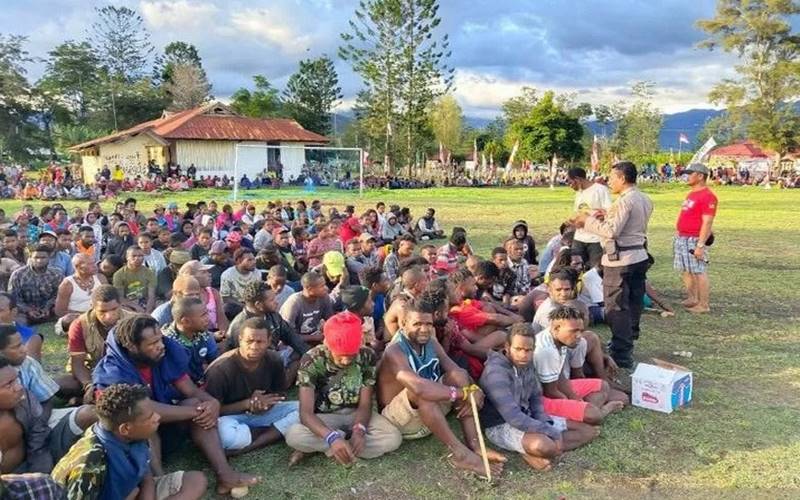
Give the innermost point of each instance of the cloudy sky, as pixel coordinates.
(596, 48)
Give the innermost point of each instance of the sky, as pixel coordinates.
(595, 48)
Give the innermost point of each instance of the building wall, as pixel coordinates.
(131, 155)
(292, 158)
(219, 157)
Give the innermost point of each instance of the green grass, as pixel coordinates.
(739, 438)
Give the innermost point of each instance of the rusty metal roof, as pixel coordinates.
(217, 122)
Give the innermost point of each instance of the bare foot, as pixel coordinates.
(698, 309)
(296, 457)
(232, 480)
(494, 456)
(688, 303)
(537, 463)
(612, 406)
(471, 462)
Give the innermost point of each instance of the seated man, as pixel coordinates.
(74, 295)
(336, 381)
(413, 282)
(32, 339)
(189, 328)
(86, 340)
(560, 349)
(136, 284)
(35, 287)
(235, 279)
(418, 385)
(513, 414)
(137, 353)
(249, 383)
(259, 302)
(561, 290)
(184, 286)
(476, 318)
(308, 310)
(112, 460)
(428, 227)
(33, 436)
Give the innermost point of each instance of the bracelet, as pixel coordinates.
(331, 437)
(360, 427)
(453, 394)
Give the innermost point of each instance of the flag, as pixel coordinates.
(483, 160)
(366, 157)
(389, 128)
(703, 151)
(511, 157)
(595, 155)
(683, 138)
(441, 152)
(475, 151)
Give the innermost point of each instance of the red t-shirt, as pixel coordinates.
(695, 206)
(469, 315)
(350, 229)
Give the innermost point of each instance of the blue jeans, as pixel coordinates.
(234, 430)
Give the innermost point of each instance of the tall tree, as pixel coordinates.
(760, 33)
(311, 94)
(548, 131)
(123, 42)
(518, 107)
(17, 133)
(187, 87)
(263, 102)
(72, 73)
(639, 125)
(175, 53)
(446, 122)
(393, 46)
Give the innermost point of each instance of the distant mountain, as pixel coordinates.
(477, 121)
(688, 122)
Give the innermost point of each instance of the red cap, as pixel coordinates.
(342, 334)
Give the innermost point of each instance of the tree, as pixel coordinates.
(175, 53)
(724, 130)
(123, 42)
(187, 87)
(446, 122)
(638, 125)
(547, 131)
(517, 108)
(764, 95)
(311, 94)
(72, 73)
(393, 47)
(263, 102)
(17, 133)
(603, 116)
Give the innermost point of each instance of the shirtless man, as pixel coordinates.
(418, 385)
(414, 281)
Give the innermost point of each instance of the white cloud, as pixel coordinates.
(179, 14)
(274, 27)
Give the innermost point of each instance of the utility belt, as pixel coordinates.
(612, 250)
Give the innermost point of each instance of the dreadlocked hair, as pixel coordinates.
(432, 299)
(116, 405)
(129, 331)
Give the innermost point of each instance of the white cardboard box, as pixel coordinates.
(662, 386)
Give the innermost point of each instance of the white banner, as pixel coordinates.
(703, 151)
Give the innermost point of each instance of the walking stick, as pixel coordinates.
(480, 436)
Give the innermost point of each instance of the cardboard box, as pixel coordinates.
(661, 386)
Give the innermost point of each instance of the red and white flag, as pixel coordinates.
(595, 155)
(683, 138)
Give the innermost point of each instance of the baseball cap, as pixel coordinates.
(334, 263)
(342, 334)
(179, 257)
(46, 233)
(218, 247)
(279, 231)
(365, 237)
(697, 167)
(193, 265)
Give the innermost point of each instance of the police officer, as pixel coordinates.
(623, 235)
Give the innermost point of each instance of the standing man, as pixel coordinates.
(623, 235)
(693, 231)
(591, 196)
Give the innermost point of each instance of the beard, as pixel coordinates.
(139, 359)
(439, 323)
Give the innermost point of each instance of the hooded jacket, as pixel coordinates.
(528, 245)
(513, 397)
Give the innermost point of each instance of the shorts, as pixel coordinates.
(168, 484)
(685, 262)
(510, 438)
(572, 409)
(591, 253)
(406, 418)
(64, 431)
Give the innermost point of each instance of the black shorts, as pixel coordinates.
(591, 253)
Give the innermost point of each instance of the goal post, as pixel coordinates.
(327, 163)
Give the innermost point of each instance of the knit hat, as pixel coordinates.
(342, 334)
(354, 297)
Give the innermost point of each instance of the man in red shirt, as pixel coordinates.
(693, 230)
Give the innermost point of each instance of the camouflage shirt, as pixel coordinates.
(336, 388)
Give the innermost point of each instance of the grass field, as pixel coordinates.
(740, 437)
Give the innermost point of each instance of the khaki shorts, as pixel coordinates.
(168, 484)
(406, 418)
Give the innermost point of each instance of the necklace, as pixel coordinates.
(85, 285)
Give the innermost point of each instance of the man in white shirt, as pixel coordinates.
(591, 196)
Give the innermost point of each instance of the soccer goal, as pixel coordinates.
(300, 165)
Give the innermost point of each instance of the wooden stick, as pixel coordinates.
(480, 436)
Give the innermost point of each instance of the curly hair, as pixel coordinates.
(459, 276)
(117, 404)
(130, 330)
(253, 292)
(565, 313)
(371, 276)
(433, 298)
